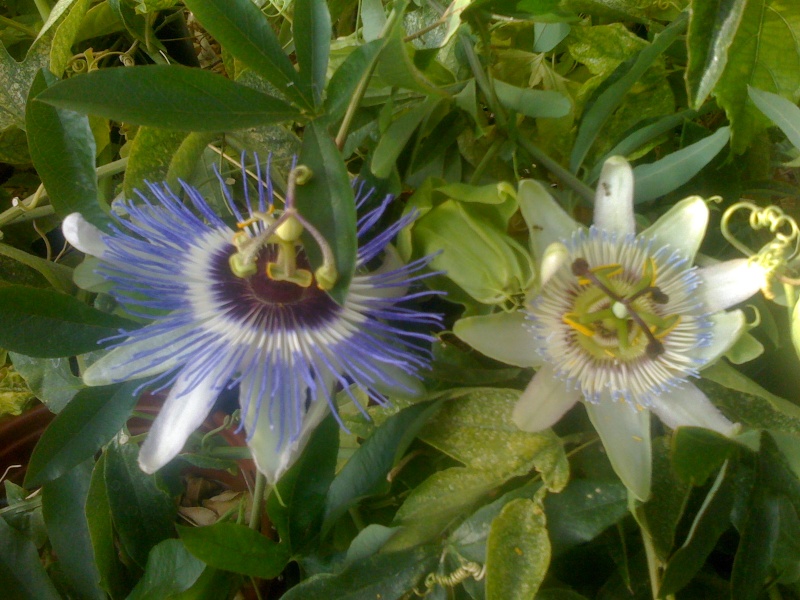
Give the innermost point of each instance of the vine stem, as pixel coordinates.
(258, 500)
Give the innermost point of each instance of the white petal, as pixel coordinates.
(544, 401)
(184, 410)
(144, 358)
(272, 454)
(83, 235)
(726, 327)
(625, 432)
(555, 258)
(682, 227)
(687, 405)
(613, 201)
(729, 283)
(547, 221)
(502, 336)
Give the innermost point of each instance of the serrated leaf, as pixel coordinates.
(517, 552)
(764, 55)
(669, 173)
(168, 96)
(312, 40)
(46, 324)
(244, 31)
(236, 548)
(712, 28)
(63, 149)
(63, 502)
(90, 420)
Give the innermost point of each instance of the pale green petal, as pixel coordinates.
(544, 401)
(688, 406)
(547, 221)
(502, 336)
(726, 327)
(83, 235)
(682, 227)
(625, 432)
(729, 283)
(613, 201)
(184, 411)
(144, 358)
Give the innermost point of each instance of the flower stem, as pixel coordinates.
(653, 564)
(258, 500)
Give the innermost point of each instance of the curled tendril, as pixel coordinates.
(775, 254)
(465, 571)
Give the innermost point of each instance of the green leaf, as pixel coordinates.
(168, 96)
(757, 542)
(764, 55)
(532, 103)
(22, 575)
(396, 65)
(170, 570)
(389, 576)
(142, 513)
(366, 470)
(63, 502)
(698, 452)
(57, 275)
(712, 27)
(327, 201)
(395, 138)
(244, 31)
(780, 111)
(669, 173)
(312, 42)
(65, 34)
(150, 158)
(611, 95)
(708, 525)
(62, 148)
(346, 78)
(88, 422)
(476, 429)
(46, 324)
(236, 548)
(517, 552)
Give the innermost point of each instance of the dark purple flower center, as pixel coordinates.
(273, 303)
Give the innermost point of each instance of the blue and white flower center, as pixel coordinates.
(620, 318)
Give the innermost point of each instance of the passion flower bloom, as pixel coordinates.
(621, 321)
(243, 308)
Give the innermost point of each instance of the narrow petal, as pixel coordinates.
(613, 202)
(625, 432)
(729, 283)
(83, 235)
(726, 327)
(184, 410)
(544, 401)
(547, 221)
(502, 336)
(274, 452)
(391, 262)
(687, 405)
(682, 227)
(147, 357)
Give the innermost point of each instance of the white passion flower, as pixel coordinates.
(621, 321)
(257, 318)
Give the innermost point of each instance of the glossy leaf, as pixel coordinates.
(327, 201)
(236, 548)
(389, 576)
(712, 27)
(517, 552)
(312, 40)
(88, 422)
(143, 513)
(669, 173)
(63, 502)
(170, 570)
(46, 324)
(62, 149)
(168, 96)
(610, 95)
(782, 112)
(246, 33)
(22, 575)
(764, 54)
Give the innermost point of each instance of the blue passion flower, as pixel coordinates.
(242, 307)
